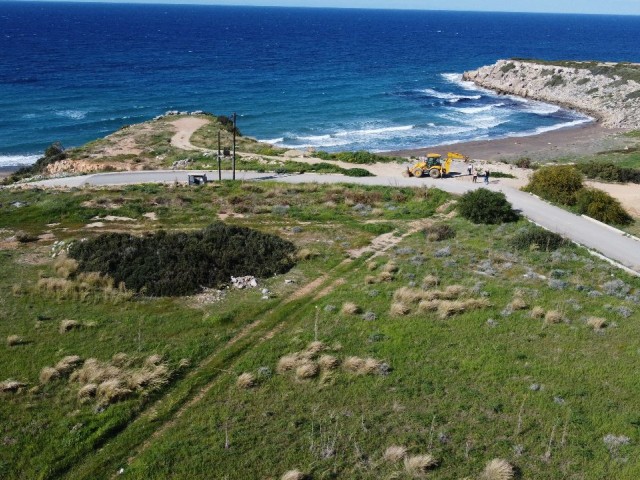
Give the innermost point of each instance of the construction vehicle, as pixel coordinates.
(433, 165)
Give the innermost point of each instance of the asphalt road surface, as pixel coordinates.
(597, 237)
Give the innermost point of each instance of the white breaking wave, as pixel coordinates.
(337, 139)
(15, 160)
(452, 97)
(456, 78)
(551, 128)
(473, 110)
(72, 114)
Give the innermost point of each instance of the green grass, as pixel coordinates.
(459, 388)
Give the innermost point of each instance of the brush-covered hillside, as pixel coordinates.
(386, 337)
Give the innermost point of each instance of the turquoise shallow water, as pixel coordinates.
(331, 79)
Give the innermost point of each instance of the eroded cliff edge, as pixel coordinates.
(610, 92)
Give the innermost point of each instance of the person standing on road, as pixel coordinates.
(474, 179)
(469, 169)
(486, 177)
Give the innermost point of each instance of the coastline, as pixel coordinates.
(585, 139)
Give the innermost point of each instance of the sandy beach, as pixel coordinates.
(563, 143)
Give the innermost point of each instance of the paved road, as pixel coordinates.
(597, 237)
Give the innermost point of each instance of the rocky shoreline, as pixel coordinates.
(606, 91)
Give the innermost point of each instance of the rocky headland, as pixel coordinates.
(609, 92)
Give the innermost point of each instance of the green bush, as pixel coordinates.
(539, 238)
(602, 206)
(358, 172)
(485, 206)
(174, 264)
(609, 172)
(557, 184)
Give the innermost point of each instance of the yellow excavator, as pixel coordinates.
(434, 166)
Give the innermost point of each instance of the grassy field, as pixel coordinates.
(463, 348)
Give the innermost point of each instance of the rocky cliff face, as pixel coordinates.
(608, 92)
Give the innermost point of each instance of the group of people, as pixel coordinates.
(473, 171)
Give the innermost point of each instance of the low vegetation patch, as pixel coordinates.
(557, 184)
(485, 206)
(564, 185)
(537, 238)
(171, 264)
(609, 172)
(361, 156)
(602, 206)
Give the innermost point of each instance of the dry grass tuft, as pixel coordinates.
(371, 366)
(11, 386)
(597, 323)
(64, 266)
(350, 308)
(353, 364)
(87, 392)
(408, 295)
(120, 359)
(385, 277)
(430, 281)
(288, 363)
(372, 265)
(390, 267)
(518, 304)
(13, 340)
(537, 312)
(419, 464)
(553, 317)
(316, 347)
(152, 360)
(68, 364)
(246, 380)
(448, 308)
(453, 291)
(293, 475)
(394, 453)
(306, 371)
(428, 305)
(93, 371)
(111, 391)
(48, 374)
(328, 362)
(399, 309)
(371, 280)
(68, 325)
(498, 469)
(148, 378)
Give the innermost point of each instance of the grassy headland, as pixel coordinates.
(466, 342)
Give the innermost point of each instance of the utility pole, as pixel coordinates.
(219, 170)
(234, 145)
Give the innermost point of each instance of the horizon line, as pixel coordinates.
(312, 7)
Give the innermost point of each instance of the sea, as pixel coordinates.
(331, 79)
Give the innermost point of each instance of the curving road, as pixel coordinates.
(608, 242)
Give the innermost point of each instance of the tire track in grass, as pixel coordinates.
(123, 444)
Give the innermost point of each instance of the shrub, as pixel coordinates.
(558, 184)
(171, 264)
(358, 172)
(523, 162)
(485, 206)
(437, 233)
(609, 172)
(601, 206)
(538, 237)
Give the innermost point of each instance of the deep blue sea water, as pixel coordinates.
(327, 78)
